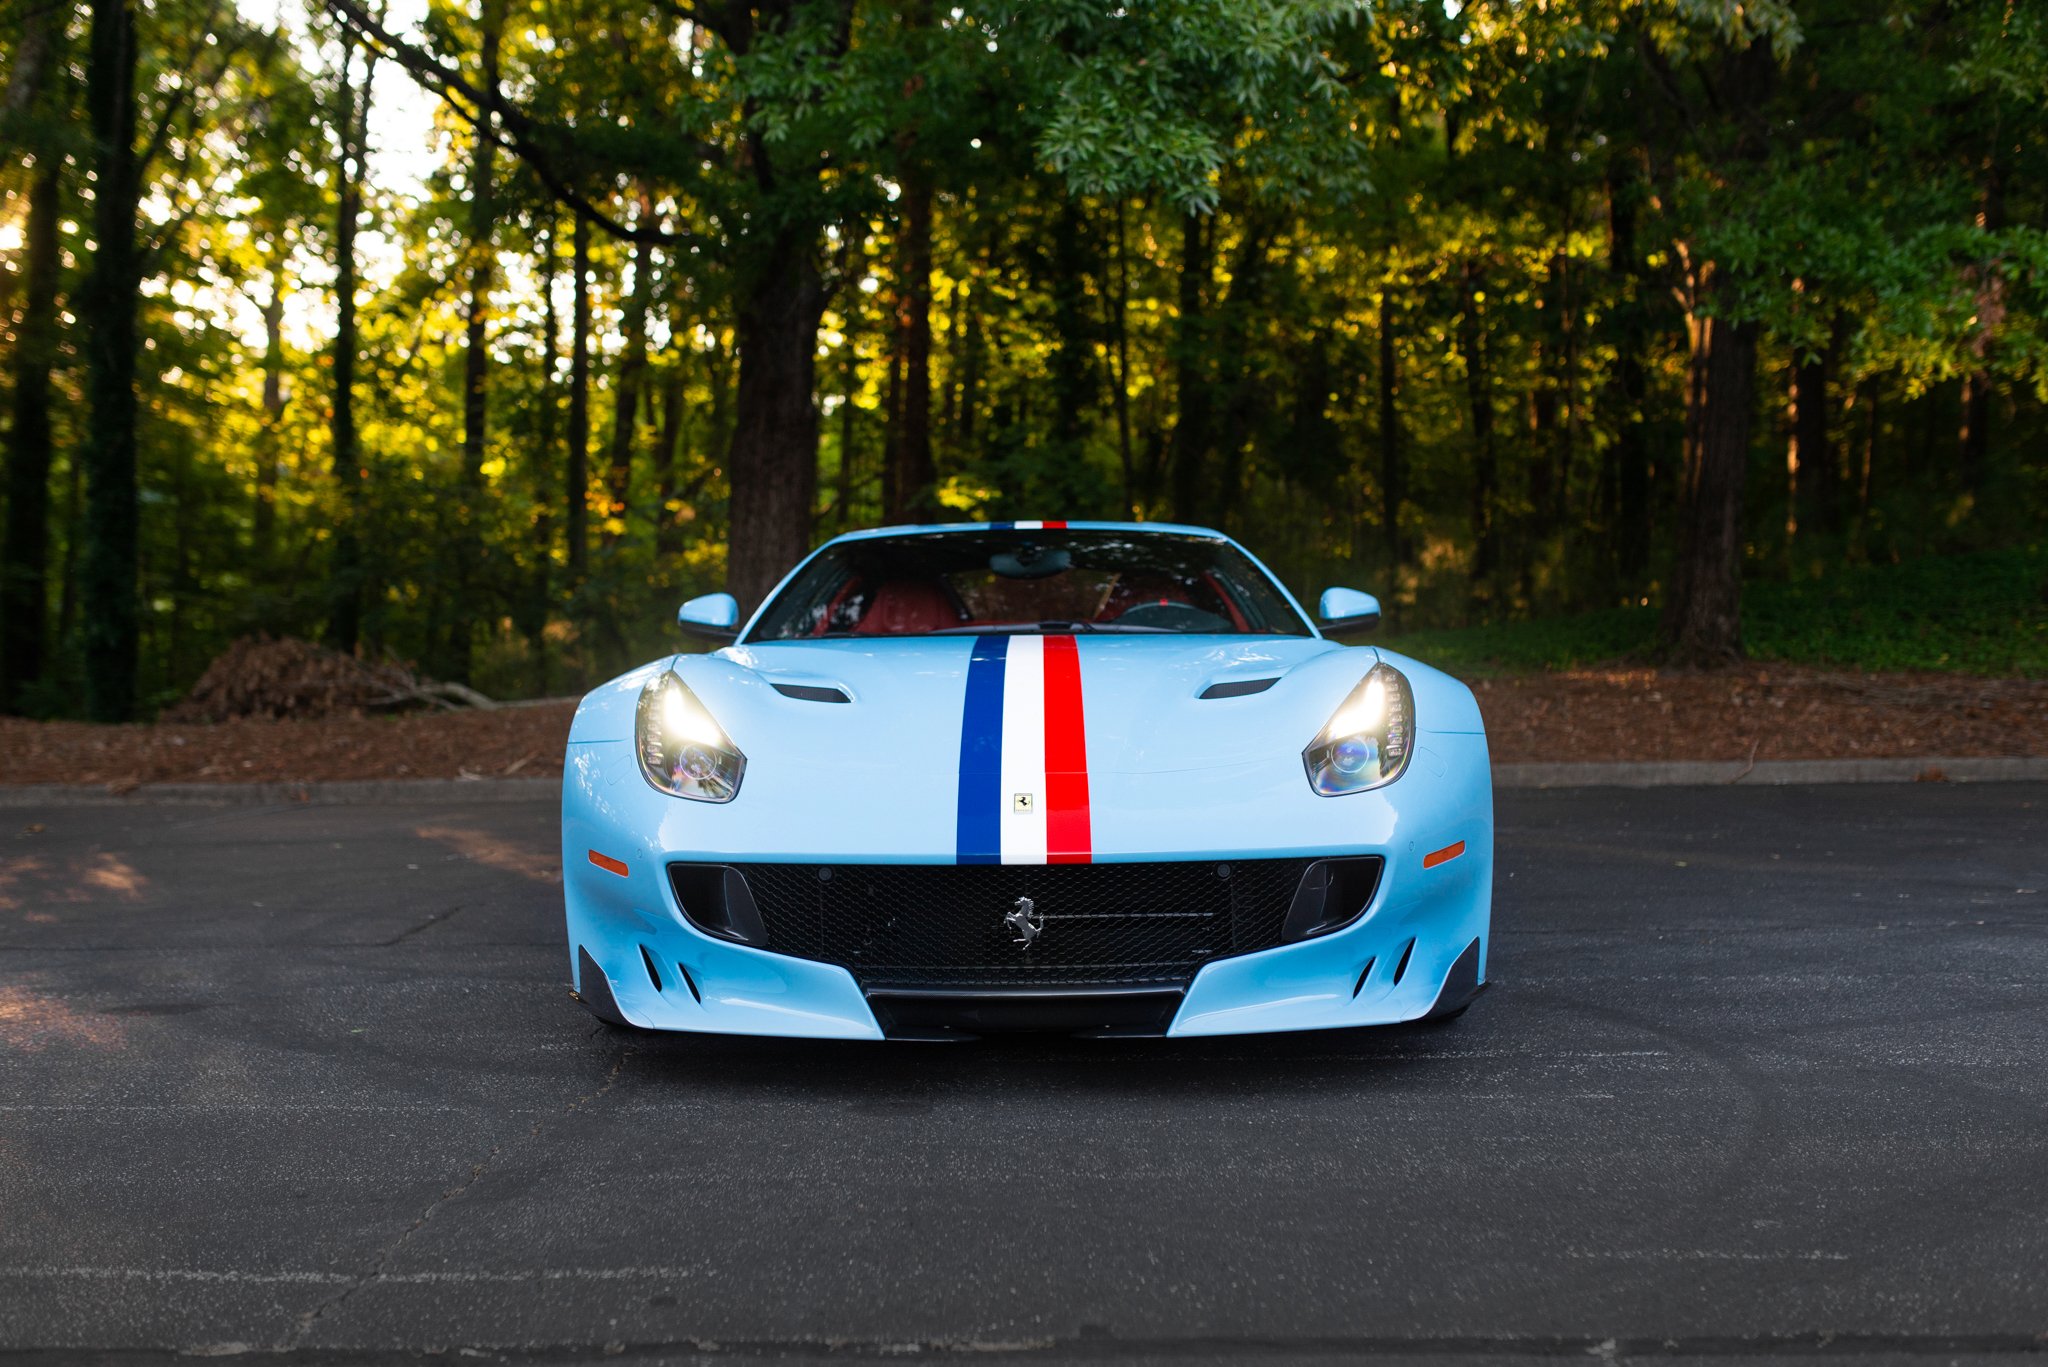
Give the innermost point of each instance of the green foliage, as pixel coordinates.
(1180, 250)
(1985, 613)
(1160, 97)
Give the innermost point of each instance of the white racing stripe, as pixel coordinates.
(1023, 832)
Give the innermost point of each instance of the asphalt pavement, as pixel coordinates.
(1763, 1076)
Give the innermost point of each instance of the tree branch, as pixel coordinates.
(515, 131)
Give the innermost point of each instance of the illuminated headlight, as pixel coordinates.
(683, 750)
(1368, 740)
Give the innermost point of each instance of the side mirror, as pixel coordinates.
(1347, 610)
(714, 616)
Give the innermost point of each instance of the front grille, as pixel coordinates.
(941, 925)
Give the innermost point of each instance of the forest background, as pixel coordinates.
(479, 335)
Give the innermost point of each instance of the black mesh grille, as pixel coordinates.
(941, 925)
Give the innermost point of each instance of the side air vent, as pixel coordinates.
(811, 693)
(1363, 974)
(1401, 969)
(1237, 688)
(717, 900)
(653, 974)
(1331, 895)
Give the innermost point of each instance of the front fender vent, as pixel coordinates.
(811, 692)
(1237, 688)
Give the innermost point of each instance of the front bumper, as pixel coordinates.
(1419, 947)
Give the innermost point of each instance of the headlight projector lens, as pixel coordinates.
(683, 750)
(1368, 739)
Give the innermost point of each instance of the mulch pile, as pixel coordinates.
(288, 678)
(1759, 713)
(511, 742)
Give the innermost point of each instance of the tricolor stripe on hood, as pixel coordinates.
(1024, 754)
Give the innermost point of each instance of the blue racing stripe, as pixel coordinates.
(1002, 526)
(979, 838)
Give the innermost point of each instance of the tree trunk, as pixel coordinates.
(108, 304)
(577, 474)
(470, 548)
(25, 544)
(1393, 473)
(344, 588)
(853, 236)
(1566, 380)
(893, 497)
(668, 531)
(1242, 410)
(773, 463)
(912, 473)
(535, 615)
(1812, 470)
(25, 570)
(1192, 436)
(631, 380)
(970, 364)
(1702, 627)
(1628, 387)
(1479, 398)
(269, 441)
(849, 389)
(1973, 439)
(1543, 490)
(1073, 347)
(1120, 337)
(1973, 445)
(1703, 616)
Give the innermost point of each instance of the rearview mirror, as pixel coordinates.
(713, 616)
(1348, 610)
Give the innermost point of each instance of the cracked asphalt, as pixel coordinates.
(1764, 1077)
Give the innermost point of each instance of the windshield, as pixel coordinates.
(987, 581)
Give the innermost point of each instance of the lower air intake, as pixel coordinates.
(967, 926)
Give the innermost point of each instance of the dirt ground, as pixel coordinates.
(1760, 713)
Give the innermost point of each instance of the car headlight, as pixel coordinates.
(683, 750)
(1368, 740)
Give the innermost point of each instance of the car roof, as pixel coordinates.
(933, 528)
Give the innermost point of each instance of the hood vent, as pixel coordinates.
(1237, 688)
(811, 693)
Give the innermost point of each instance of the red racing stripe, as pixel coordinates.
(1067, 836)
(1059, 526)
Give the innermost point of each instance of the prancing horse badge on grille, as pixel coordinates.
(1026, 920)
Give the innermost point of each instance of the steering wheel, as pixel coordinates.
(1172, 617)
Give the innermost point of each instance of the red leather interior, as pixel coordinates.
(1137, 590)
(903, 607)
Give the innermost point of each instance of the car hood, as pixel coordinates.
(1141, 703)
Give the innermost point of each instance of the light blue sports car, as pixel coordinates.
(1093, 777)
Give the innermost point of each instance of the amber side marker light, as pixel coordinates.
(618, 866)
(1429, 861)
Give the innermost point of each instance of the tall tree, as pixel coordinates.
(1703, 611)
(911, 471)
(1628, 456)
(576, 472)
(482, 254)
(1479, 406)
(1393, 469)
(108, 302)
(628, 383)
(30, 115)
(351, 130)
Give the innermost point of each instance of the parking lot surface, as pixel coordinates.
(1763, 1076)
